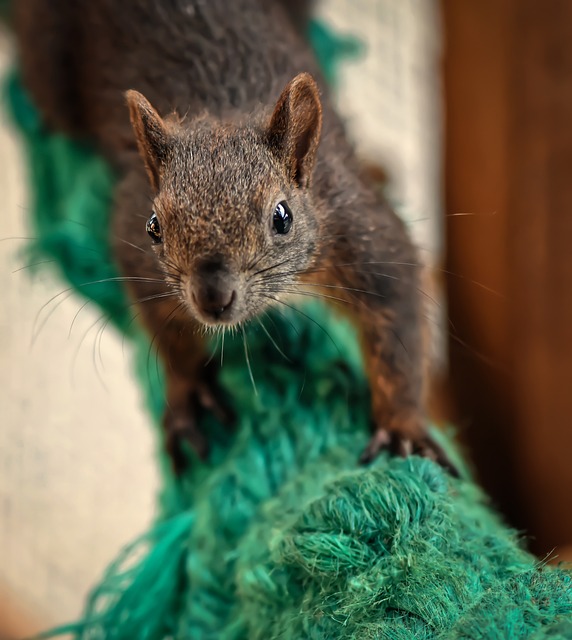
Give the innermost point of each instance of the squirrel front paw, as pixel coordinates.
(404, 439)
(187, 403)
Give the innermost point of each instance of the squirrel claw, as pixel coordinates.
(182, 424)
(208, 398)
(404, 446)
(181, 428)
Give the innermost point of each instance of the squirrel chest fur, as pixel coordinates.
(239, 189)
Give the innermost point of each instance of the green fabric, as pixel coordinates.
(281, 535)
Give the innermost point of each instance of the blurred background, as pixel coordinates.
(467, 105)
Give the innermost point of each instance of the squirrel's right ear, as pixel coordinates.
(295, 126)
(151, 135)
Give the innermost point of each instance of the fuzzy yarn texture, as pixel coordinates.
(281, 535)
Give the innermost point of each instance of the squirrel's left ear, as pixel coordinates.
(295, 126)
(151, 135)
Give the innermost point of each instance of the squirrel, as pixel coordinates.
(239, 187)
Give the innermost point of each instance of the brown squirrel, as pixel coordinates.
(243, 191)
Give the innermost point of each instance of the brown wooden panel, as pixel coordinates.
(508, 78)
(540, 258)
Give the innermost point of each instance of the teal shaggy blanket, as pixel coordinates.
(281, 535)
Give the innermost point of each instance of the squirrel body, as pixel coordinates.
(239, 188)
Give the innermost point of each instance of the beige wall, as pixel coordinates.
(76, 472)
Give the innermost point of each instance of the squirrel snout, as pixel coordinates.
(213, 292)
(213, 302)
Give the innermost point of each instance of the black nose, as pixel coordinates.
(213, 290)
(214, 302)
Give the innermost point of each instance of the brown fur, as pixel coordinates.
(243, 126)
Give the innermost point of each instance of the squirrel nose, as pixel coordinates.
(214, 302)
(213, 290)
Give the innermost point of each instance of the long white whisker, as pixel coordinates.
(273, 341)
(248, 361)
(222, 347)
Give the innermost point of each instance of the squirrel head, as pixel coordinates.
(233, 223)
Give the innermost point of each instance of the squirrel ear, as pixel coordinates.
(295, 127)
(151, 135)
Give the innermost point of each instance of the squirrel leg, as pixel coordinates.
(378, 279)
(191, 381)
(395, 374)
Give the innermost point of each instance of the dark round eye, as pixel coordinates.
(282, 220)
(154, 229)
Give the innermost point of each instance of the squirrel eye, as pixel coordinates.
(282, 219)
(154, 229)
